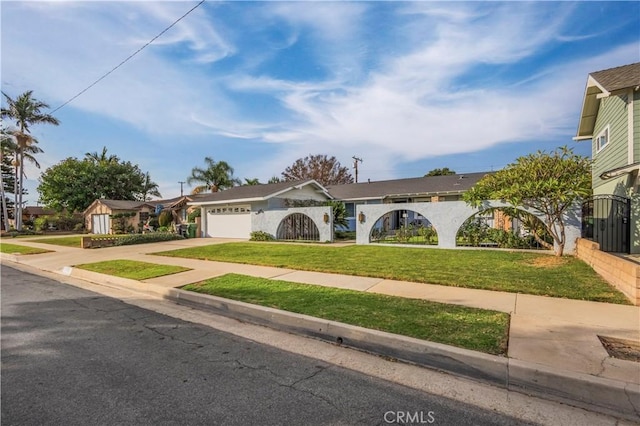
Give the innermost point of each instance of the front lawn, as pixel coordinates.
(72, 241)
(18, 249)
(470, 328)
(132, 269)
(511, 271)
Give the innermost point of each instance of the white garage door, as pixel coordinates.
(100, 223)
(229, 222)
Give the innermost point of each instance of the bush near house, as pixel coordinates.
(153, 237)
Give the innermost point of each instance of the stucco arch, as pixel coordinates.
(269, 220)
(448, 216)
(398, 217)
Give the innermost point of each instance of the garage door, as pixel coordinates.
(100, 223)
(229, 222)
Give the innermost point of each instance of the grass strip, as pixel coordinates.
(510, 271)
(132, 269)
(60, 241)
(18, 249)
(470, 328)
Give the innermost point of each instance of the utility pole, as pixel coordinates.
(181, 183)
(356, 160)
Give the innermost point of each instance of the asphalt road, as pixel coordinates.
(70, 356)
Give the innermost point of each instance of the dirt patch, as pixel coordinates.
(628, 350)
(547, 261)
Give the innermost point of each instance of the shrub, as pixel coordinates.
(66, 222)
(153, 237)
(79, 227)
(192, 216)
(165, 218)
(41, 223)
(261, 236)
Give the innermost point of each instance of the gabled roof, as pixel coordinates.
(37, 211)
(248, 193)
(121, 204)
(602, 84)
(169, 203)
(411, 187)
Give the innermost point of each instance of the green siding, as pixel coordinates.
(612, 112)
(636, 126)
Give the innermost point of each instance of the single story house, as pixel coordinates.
(34, 212)
(227, 214)
(411, 190)
(97, 217)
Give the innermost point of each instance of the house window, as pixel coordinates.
(602, 139)
(144, 216)
(351, 209)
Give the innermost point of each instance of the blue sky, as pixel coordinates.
(406, 86)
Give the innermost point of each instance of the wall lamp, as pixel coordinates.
(361, 217)
(326, 218)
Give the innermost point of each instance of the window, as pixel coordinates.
(351, 209)
(144, 216)
(602, 139)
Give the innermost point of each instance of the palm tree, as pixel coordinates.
(101, 158)
(149, 187)
(217, 176)
(251, 182)
(11, 149)
(26, 111)
(7, 147)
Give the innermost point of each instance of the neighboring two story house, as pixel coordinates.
(610, 119)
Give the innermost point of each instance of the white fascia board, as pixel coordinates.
(309, 182)
(353, 200)
(232, 201)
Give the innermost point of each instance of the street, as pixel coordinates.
(70, 356)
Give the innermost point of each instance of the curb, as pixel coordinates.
(607, 396)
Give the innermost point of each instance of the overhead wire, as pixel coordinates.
(128, 58)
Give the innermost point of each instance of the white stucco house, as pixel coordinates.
(236, 212)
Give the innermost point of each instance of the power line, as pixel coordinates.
(129, 57)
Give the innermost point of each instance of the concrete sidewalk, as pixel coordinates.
(550, 336)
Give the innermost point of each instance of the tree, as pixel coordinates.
(217, 176)
(274, 179)
(149, 188)
(251, 182)
(7, 177)
(74, 184)
(445, 171)
(551, 183)
(102, 157)
(25, 110)
(325, 170)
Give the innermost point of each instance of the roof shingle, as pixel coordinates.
(618, 78)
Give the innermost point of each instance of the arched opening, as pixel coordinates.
(504, 227)
(403, 227)
(298, 227)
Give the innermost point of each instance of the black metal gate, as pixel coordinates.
(606, 220)
(298, 226)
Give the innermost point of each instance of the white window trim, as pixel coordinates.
(607, 130)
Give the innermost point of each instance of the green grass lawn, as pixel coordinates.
(511, 271)
(470, 328)
(18, 249)
(132, 269)
(71, 241)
